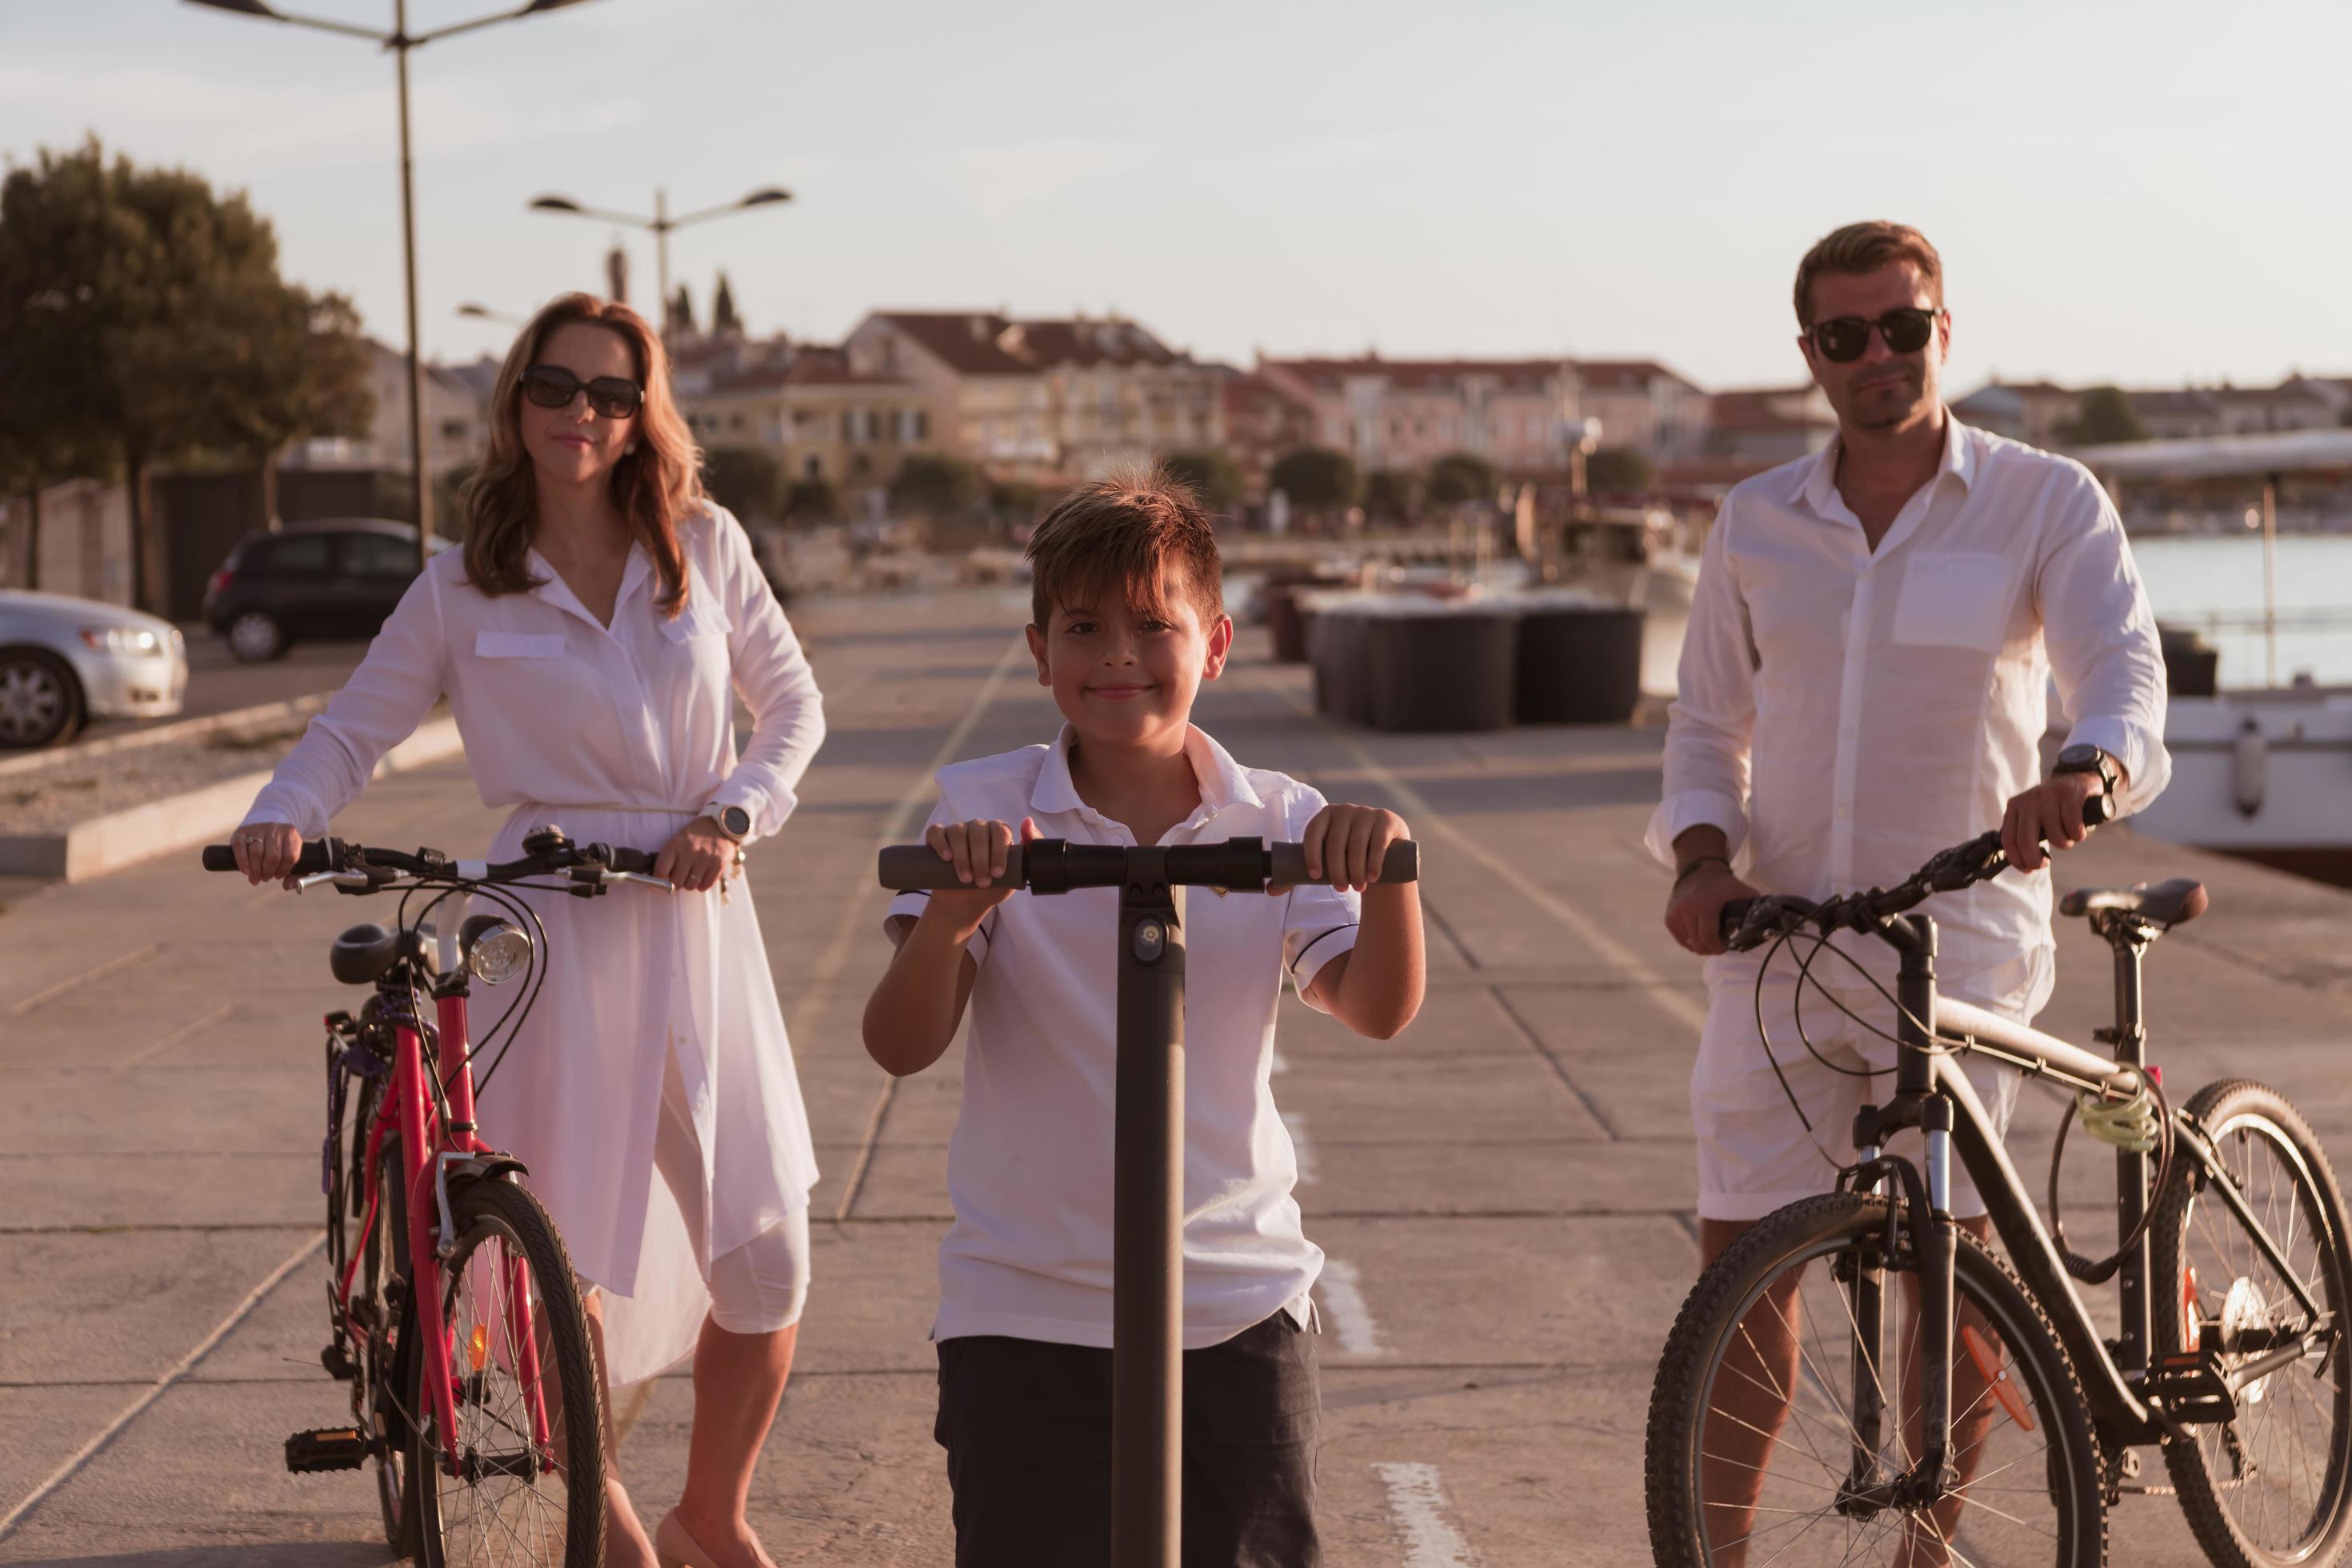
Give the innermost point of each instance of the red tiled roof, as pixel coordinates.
(1625, 374)
(1766, 409)
(964, 340)
(1418, 372)
(1085, 343)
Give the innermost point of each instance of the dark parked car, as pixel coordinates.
(311, 581)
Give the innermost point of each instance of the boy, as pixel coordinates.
(1128, 619)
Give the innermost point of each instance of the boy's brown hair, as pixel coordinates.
(1865, 248)
(1122, 533)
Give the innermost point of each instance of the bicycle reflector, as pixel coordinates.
(498, 953)
(1996, 1376)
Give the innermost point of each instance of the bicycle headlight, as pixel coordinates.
(498, 954)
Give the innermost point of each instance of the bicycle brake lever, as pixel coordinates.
(640, 880)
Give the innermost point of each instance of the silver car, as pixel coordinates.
(65, 661)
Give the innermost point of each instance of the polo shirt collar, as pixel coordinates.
(1959, 461)
(1224, 784)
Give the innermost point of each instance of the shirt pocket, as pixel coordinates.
(518, 645)
(697, 620)
(1953, 599)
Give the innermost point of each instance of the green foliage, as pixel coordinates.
(1315, 478)
(808, 502)
(1460, 477)
(928, 484)
(747, 481)
(1016, 499)
(1393, 494)
(1215, 478)
(1618, 469)
(2107, 415)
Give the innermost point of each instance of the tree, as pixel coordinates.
(149, 316)
(1215, 479)
(1391, 493)
(1315, 478)
(1460, 477)
(681, 314)
(930, 484)
(747, 481)
(1618, 469)
(2106, 416)
(1016, 499)
(723, 319)
(812, 502)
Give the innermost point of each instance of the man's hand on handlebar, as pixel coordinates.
(266, 852)
(976, 849)
(2051, 811)
(1694, 908)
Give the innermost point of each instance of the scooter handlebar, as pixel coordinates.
(905, 868)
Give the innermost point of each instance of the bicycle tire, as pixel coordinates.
(1728, 1292)
(483, 1210)
(2186, 1234)
(380, 1380)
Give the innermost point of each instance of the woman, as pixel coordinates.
(592, 637)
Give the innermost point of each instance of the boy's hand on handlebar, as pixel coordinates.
(696, 856)
(976, 849)
(266, 852)
(1694, 908)
(2052, 810)
(1345, 845)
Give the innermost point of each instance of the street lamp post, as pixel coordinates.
(660, 224)
(399, 41)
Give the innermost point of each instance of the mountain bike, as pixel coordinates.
(1915, 1398)
(455, 1313)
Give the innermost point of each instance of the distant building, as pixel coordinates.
(1768, 426)
(807, 407)
(1265, 417)
(2033, 412)
(456, 420)
(1047, 398)
(2290, 405)
(1643, 406)
(1406, 414)
(2177, 414)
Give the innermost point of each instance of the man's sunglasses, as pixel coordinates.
(1844, 339)
(552, 387)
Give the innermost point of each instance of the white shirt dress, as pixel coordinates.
(620, 735)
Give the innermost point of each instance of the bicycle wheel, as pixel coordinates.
(1757, 1441)
(380, 1307)
(2274, 1485)
(509, 1500)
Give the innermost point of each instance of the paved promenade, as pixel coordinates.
(1504, 1190)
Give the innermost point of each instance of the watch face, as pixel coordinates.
(2084, 756)
(735, 820)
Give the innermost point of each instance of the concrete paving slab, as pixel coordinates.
(1475, 1099)
(56, 1192)
(1388, 1177)
(90, 1307)
(46, 1113)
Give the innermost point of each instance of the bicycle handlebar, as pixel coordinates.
(330, 856)
(1056, 865)
(1746, 923)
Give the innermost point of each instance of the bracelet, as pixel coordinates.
(1683, 874)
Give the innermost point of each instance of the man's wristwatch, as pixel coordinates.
(733, 821)
(2087, 759)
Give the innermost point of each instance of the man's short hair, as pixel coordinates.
(1861, 247)
(1120, 534)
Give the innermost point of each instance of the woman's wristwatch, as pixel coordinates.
(732, 820)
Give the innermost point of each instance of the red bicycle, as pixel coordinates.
(475, 1395)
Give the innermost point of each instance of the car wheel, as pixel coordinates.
(255, 638)
(40, 699)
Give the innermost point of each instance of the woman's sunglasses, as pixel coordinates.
(552, 387)
(1844, 339)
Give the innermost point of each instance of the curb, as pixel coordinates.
(121, 839)
(182, 729)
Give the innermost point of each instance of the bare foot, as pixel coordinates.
(626, 1544)
(728, 1542)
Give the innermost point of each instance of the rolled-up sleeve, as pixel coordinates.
(771, 674)
(1318, 922)
(2104, 653)
(1713, 718)
(403, 674)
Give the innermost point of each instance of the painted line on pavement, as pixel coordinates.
(180, 1035)
(895, 827)
(156, 1390)
(114, 965)
(1417, 1501)
(1670, 1001)
(1352, 1320)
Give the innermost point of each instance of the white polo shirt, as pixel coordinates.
(1029, 1168)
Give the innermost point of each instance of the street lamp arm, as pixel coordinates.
(271, 14)
(456, 27)
(570, 208)
(724, 208)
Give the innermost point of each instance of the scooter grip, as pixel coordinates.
(1400, 864)
(909, 868)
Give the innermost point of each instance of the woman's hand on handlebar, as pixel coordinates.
(976, 849)
(266, 852)
(1694, 908)
(696, 856)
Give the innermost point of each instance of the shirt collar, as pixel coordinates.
(1959, 461)
(1224, 784)
(552, 588)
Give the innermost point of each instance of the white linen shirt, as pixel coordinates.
(1844, 713)
(619, 734)
(1029, 1166)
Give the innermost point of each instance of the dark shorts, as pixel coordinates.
(1026, 1425)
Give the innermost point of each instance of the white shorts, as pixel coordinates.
(1753, 1155)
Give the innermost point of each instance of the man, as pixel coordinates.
(1863, 683)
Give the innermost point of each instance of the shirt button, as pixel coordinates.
(1844, 813)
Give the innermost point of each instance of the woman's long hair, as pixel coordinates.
(654, 486)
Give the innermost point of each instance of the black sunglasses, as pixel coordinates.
(552, 387)
(1844, 339)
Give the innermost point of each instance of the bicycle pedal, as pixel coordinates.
(328, 1448)
(2191, 1388)
(337, 1363)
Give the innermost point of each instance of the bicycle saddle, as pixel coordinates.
(2162, 904)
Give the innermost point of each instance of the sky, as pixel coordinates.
(2138, 191)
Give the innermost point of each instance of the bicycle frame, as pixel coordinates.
(432, 1139)
(1932, 1093)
